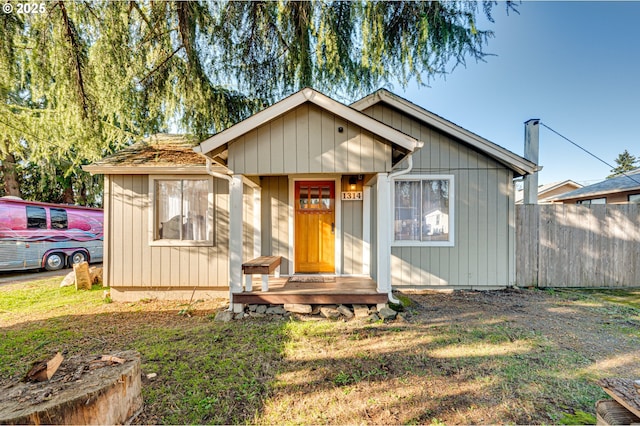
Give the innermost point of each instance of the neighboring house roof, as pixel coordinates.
(218, 141)
(549, 191)
(160, 153)
(515, 162)
(623, 183)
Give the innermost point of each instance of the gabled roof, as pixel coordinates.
(515, 162)
(160, 153)
(547, 188)
(623, 183)
(219, 140)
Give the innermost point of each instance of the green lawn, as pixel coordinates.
(461, 358)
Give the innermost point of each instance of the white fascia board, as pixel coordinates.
(363, 120)
(297, 99)
(251, 123)
(517, 163)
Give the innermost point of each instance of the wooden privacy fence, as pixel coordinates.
(568, 245)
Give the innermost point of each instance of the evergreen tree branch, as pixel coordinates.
(71, 36)
(159, 66)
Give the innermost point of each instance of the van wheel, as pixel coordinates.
(77, 257)
(54, 261)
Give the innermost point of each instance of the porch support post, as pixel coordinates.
(235, 239)
(257, 222)
(383, 230)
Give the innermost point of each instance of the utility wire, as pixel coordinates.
(590, 153)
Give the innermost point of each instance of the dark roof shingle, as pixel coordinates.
(161, 150)
(622, 183)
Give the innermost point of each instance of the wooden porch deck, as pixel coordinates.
(309, 290)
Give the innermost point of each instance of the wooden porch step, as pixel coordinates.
(310, 299)
(319, 291)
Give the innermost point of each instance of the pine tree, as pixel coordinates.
(625, 163)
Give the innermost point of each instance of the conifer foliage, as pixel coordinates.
(81, 79)
(626, 162)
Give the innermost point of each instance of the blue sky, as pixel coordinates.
(575, 65)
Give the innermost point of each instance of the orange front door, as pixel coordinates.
(315, 226)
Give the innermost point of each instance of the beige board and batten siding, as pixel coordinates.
(135, 264)
(275, 219)
(307, 140)
(352, 230)
(483, 252)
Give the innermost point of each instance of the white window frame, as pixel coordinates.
(153, 241)
(590, 201)
(412, 243)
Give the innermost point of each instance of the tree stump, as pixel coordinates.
(85, 390)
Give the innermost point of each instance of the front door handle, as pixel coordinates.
(333, 227)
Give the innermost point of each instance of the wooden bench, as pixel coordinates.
(263, 265)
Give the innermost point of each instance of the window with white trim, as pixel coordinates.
(182, 211)
(592, 201)
(634, 198)
(423, 210)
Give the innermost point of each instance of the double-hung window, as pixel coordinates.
(182, 211)
(423, 213)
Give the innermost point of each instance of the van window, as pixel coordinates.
(36, 218)
(58, 218)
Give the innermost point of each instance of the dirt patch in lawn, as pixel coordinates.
(579, 321)
(512, 356)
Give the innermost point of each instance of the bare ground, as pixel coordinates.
(569, 320)
(449, 363)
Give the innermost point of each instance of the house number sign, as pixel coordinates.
(352, 195)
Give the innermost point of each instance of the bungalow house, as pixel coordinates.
(623, 189)
(380, 194)
(549, 191)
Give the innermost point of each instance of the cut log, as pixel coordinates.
(95, 273)
(610, 412)
(623, 391)
(83, 278)
(108, 394)
(44, 370)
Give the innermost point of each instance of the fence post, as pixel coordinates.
(531, 144)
